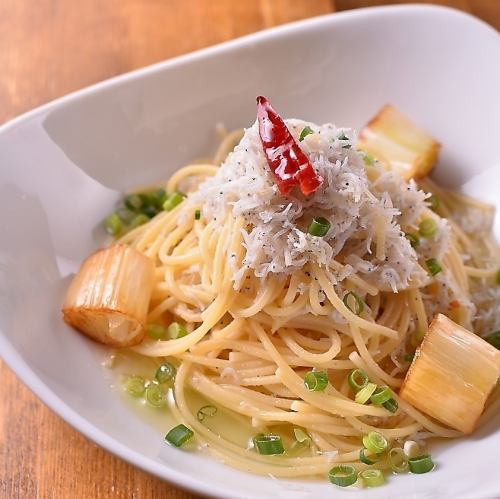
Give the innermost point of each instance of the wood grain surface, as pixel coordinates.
(49, 48)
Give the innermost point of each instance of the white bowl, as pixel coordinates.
(62, 165)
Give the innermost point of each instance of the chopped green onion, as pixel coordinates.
(125, 214)
(372, 478)
(268, 445)
(134, 202)
(367, 460)
(197, 214)
(300, 435)
(140, 219)
(157, 198)
(409, 357)
(206, 410)
(149, 211)
(421, 464)
(156, 331)
(165, 373)
(494, 339)
(391, 405)
(135, 385)
(427, 227)
(433, 266)
(398, 460)
(357, 379)
(319, 227)
(413, 238)
(343, 475)
(367, 158)
(358, 304)
(316, 381)
(172, 201)
(375, 442)
(434, 201)
(307, 130)
(179, 435)
(113, 224)
(365, 393)
(176, 330)
(155, 395)
(381, 395)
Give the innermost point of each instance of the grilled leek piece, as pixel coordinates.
(452, 374)
(398, 144)
(109, 297)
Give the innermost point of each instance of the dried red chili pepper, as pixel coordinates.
(288, 163)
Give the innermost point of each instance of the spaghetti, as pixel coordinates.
(309, 291)
(251, 340)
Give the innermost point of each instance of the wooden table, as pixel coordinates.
(50, 48)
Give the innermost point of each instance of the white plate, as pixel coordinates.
(62, 165)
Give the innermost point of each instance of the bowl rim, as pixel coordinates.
(21, 368)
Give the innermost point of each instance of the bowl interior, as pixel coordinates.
(63, 166)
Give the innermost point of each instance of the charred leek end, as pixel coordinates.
(452, 374)
(109, 297)
(398, 144)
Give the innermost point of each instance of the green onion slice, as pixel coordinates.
(375, 442)
(434, 201)
(433, 266)
(140, 219)
(268, 445)
(421, 464)
(367, 460)
(113, 224)
(157, 198)
(413, 238)
(409, 357)
(197, 214)
(134, 202)
(149, 211)
(372, 478)
(300, 435)
(155, 395)
(367, 158)
(427, 227)
(206, 410)
(319, 227)
(126, 215)
(135, 385)
(357, 379)
(179, 435)
(176, 330)
(165, 373)
(156, 331)
(173, 200)
(351, 298)
(398, 460)
(380, 395)
(365, 393)
(494, 339)
(343, 475)
(391, 405)
(316, 381)
(307, 130)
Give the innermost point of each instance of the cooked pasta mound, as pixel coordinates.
(265, 302)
